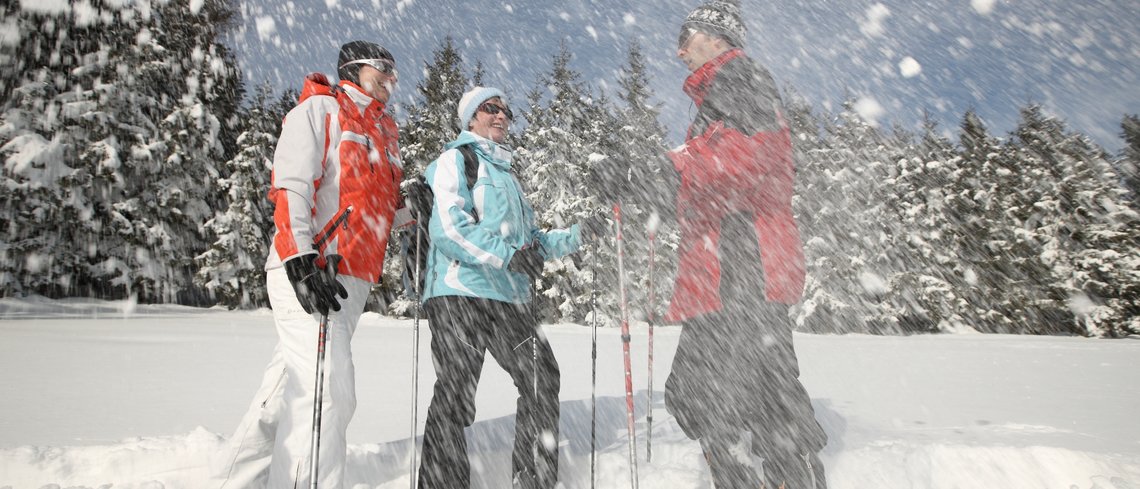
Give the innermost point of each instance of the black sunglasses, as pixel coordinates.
(385, 66)
(494, 109)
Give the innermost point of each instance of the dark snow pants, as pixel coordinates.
(463, 329)
(736, 371)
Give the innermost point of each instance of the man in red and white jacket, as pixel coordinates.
(335, 187)
(735, 376)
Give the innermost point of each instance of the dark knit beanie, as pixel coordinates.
(358, 50)
(718, 17)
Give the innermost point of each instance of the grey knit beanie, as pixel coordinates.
(718, 17)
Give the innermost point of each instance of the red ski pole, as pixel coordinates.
(625, 350)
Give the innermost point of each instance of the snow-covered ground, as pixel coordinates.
(111, 395)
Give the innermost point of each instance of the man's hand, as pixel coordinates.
(316, 289)
(593, 229)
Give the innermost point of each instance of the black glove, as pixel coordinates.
(609, 178)
(420, 197)
(527, 261)
(593, 229)
(650, 184)
(316, 289)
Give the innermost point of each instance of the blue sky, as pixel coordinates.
(1081, 61)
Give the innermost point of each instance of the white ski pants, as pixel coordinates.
(272, 444)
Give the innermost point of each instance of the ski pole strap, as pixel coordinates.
(403, 218)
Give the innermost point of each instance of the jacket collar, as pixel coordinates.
(697, 84)
(495, 153)
(364, 102)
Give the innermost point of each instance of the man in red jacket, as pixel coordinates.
(735, 376)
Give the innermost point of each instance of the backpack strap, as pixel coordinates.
(470, 164)
(470, 170)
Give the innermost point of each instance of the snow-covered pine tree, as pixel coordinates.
(641, 145)
(1107, 268)
(1130, 157)
(563, 137)
(921, 254)
(232, 269)
(65, 163)
(845, 237)
(431, 121)
(808, 145)
(979, 190)
(194, 78)
(1083, 228)
(36, 177)
(1037, 214)
(430, 125)
(31, 159)
(111, 79)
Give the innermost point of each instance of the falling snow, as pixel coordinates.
(984, 7)
(909, 67)
(869, 109)
(977, 191)
(876, 16)
(266, 28)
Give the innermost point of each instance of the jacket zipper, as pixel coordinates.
(371, 165)
(280, 379)
(341, 220)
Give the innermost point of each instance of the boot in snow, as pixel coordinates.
(729, 463)
(795, 471)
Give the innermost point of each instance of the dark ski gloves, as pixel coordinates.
(420, 199)
(593, 229)
(527, 261)
(316, 289)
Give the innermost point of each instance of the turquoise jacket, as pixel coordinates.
(476, 231)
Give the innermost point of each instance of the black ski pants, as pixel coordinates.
(736, 371)
(463, 329)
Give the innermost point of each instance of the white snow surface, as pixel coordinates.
(118, 395)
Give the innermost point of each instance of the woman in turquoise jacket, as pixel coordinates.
(485, 253)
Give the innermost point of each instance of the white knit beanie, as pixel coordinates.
(471, 100)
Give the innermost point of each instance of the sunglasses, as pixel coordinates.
(384, 66)
(685, 37)
(494, 109)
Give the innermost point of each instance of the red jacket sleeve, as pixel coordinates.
(723, 158)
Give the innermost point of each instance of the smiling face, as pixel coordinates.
(488, 125)
(376, 83)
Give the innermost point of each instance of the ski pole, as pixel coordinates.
(594, 369)
(649, 318)
(415, 352)
(331, 263)
(625, 350)
(534, 375)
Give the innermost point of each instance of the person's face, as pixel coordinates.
(490, 125)
(378, 84)
(695, 48)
